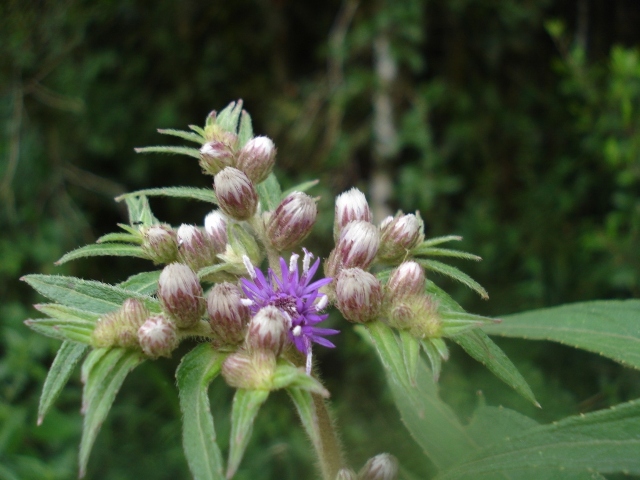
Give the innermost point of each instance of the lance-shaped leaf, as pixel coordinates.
(246, 404)
(103, 373)
(199, 130)
(436, 351)
(432, 242)
(421, 410)
(288, 375)
(201, 194)
(86, 295)
(610, 328)
(447, 252)
(61, 369)
(245, 130)
(455, 274)
(269, 193)
(121, 237)
(196, 371)
(62, 330)
(454, 323)
(410, 353)
(477, 344)
(189, 151)
(228, 118)
(305, 406)
(145, 283)
(301, 187)
(103, 250)
(190, 136)
(139, 211)
(607, 441)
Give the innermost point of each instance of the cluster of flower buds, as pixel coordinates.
(120, 328)
(398, 235)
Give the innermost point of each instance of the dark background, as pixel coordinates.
(516, 126)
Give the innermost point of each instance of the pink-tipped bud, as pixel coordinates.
(157, 337)
(215, 156)
(408, 279)
(257, 159)
(268, 330)
(236, 194)
(119, 328)
(358, 245)
(160, 244)
(215, 226)
(346, 474)
(398, 235)
(228, 316)
(351, 206)
(292, 221)
(180, 294)
(380, 467)
(195, 248)
(250, 371)
(358, 295)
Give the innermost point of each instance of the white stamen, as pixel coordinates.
(297, 331)
(322, 303)
(306, 262)
(246, 302)
(249, 266)
(293, 262)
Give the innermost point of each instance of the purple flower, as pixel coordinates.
(293, 295)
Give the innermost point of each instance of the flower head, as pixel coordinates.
(292, 293)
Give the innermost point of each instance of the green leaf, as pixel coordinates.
(610, 328)
(245, 130)
(120, 237)
(302, 187)
(411, 354)
(199, 130)
(269, 193)
(190, 136)
(103, 249)
(61, 369)
(104, 374)
(607, 441)
(435, 241)
(67, 314)
(70, 330)
(246, 404)
(444, 252)
(431, 422)
(201, 194)
(139, 211)
(228, 118)
(477, 344)
(196, 371)
(305, 406)
(205, 272)
(434, 358)
(288, 375)
(145, 283)
(454, 323)
(189, 151)
(454, 273)
(86, 295)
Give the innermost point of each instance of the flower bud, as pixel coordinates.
(292, 221)
(228, 316)
(358, 245)
(236, 194)
(418, 314)
(268, 330)
(181, 295)
(250, 371)
(346, 474)
(257, 158)
(380, 467)
(215, 156)
(358, 295)
(196, 249)
(351, 206)
(157, 337)
(408, 279)
(398, 235)
(119, 328)
(215, 226)
(160, 244)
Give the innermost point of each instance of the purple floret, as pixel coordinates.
(299, 300)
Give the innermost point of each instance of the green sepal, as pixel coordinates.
(68, 356)
(246, 404)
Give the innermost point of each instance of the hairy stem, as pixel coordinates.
(330, 452)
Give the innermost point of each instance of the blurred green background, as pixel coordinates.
(515, 124)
